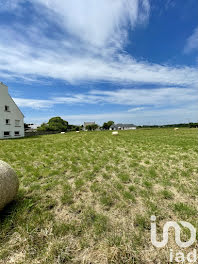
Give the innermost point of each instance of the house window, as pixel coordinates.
(7, 108)
(6, 133)
(7, 121)
(17, 123)
(16, 133)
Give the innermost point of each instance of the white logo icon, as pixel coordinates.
(177, 229)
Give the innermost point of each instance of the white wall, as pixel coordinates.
(123, 128)
(129, 128)
(13, 114)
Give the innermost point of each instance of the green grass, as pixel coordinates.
(87, 197)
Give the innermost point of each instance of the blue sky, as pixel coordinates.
(132, 61)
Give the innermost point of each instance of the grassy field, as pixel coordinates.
(87, 197)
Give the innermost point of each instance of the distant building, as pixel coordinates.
(88, 124)
(11, 118)
(31, 128)
(122, 127)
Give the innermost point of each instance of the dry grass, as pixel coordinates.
(88, 197)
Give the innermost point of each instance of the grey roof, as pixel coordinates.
(89, 123)
(122, 125)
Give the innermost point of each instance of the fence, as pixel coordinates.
(38, 133)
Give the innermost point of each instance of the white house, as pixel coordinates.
(11, 118)
(88, 124)
(122, 127)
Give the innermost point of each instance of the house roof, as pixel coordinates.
(89, 123)
(33, 126)
(2, 84)
(16, 106)
(122, 125)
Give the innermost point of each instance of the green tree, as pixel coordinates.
(107, 125)
(74, 128)
(92, 127)
(55, 124)
(26, 126)
(43, 127)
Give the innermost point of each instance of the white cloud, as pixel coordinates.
(135, 109)
(98, 23)
(159, 96)
(192, 42)
(150, 116)
(89, 49)
(33, 103)
(167, 96)
(20, 60)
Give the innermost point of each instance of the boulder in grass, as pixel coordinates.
(9, 184)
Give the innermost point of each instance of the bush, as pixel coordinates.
(54, 124)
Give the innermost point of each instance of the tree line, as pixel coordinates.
(61, 125)
(190, 125)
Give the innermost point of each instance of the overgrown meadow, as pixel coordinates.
(88, 197)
